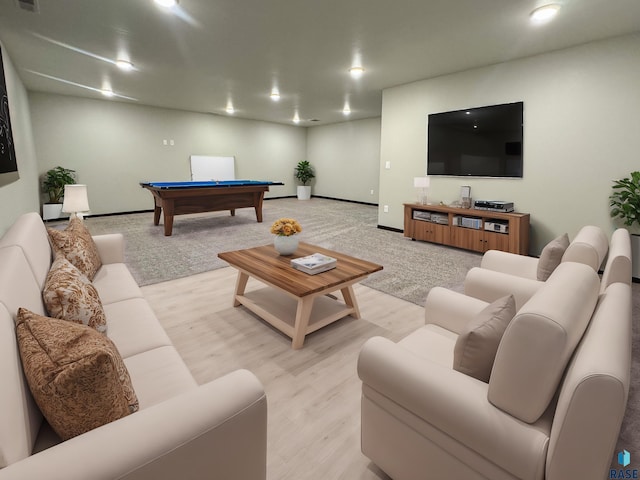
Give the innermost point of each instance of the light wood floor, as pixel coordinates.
(313, 393)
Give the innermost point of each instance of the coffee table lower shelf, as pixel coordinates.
(297, 317)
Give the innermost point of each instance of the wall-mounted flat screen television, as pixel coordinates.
(476, 142)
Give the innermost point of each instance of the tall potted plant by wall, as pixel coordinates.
(625, 204)
(53, 185)
(304, 173)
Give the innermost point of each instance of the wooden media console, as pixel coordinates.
(442, 224)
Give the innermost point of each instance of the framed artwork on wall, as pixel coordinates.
(8, 162)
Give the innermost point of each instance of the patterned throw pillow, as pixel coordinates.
(77, 246)
(76, 375)
(69, 295)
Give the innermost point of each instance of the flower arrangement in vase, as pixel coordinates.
(285, 230)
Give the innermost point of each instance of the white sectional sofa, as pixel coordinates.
(554, 401)
(181, 431)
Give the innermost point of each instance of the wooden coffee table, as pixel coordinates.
(294, 302)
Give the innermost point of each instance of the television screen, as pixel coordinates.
(478, 142)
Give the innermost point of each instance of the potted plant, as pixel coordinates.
(53, 185)
(625, 204)
(304, 173)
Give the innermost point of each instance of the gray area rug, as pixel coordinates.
(411, 269)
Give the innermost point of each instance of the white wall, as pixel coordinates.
(345, 157)
(20, 196)
(113, 146)
(581, 131)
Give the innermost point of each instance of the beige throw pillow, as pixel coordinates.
(476, 346)
(69, 295)
(76, 245)
(76, 375)
(551, 256)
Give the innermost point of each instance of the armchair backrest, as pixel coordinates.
(594, 393)
(539, 341)
(589, 246)
(618, 266)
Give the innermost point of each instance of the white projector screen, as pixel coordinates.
(205, 168)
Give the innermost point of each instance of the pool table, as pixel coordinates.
(178, 198)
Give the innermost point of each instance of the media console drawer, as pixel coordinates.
(467, 228)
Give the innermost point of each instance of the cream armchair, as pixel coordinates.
(552, 408)
(502, 272)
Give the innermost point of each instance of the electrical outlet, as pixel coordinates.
(371, 192)
(387, 165)
(171, 142)
(386, 209)
(164, 142)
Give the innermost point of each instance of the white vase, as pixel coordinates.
(285, 245)
(304, 192)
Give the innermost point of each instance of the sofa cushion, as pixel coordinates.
(158, 375)
(551, 256)
(76, 374)
(77, 246)
(477, 344)
(134, 328)
(115, 283)
(69, 295)
(431, 342)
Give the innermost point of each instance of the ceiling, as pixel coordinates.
(204, 54)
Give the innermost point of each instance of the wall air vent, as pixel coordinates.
(29, 5)
(314, 120)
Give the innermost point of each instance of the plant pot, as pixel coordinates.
(51, 211)
(286, 245)
(635, 256)
(304, 192)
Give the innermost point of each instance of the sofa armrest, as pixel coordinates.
(451, 310)
(506, 262)
(489, 285)
(218, 429)
(110, 247)
(452, 403)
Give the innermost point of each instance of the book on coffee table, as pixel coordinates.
(315, 263)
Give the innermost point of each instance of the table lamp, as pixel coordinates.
(75, 201)
(422, 185)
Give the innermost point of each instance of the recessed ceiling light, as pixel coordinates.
(107, 92)
(544, 13)
(167, 3)
(275, 96)
(125, 65)
(356, 72)
(346, 110)
(296, 118)
(230, 110)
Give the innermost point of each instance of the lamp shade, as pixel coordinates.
(75, 199)
(421, 182)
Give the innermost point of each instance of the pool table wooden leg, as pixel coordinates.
(156, 215)
(233, 212)
(168, 218)
(257, 201)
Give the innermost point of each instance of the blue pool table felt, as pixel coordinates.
(212, 183)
